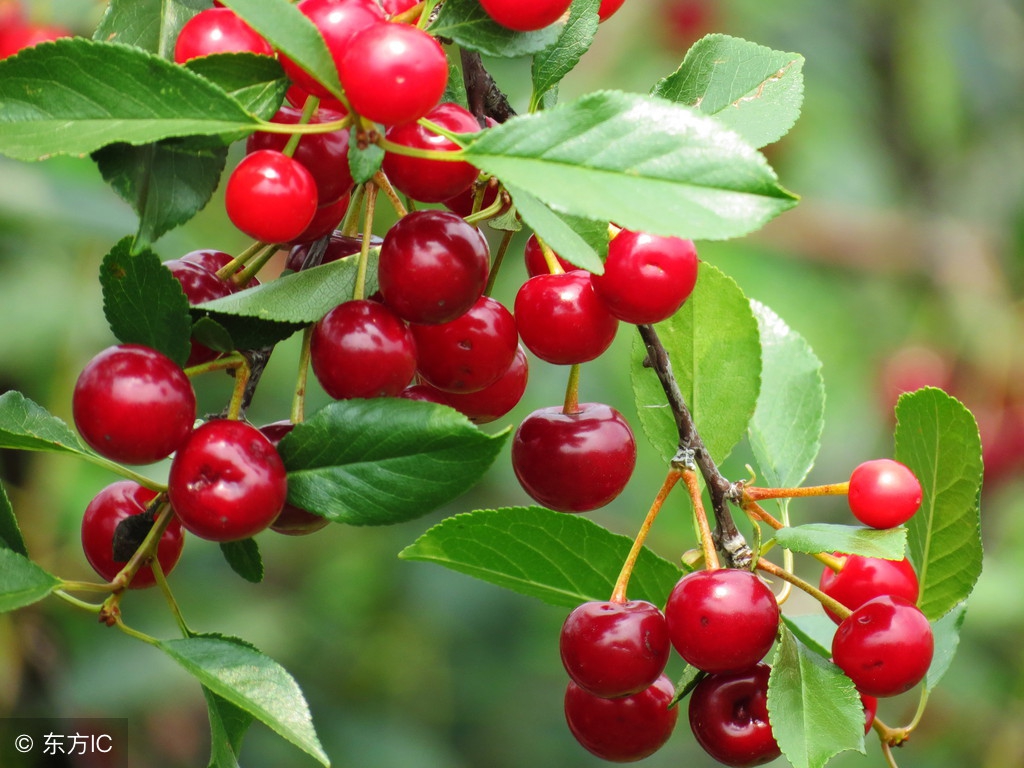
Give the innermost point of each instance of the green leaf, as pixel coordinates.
(73, 96)
(714, 348)
(384, 461)
(10, 532)
(257, 82)
(687, 681)
(937, 437)
(144, 303)
(642, 162)
(244, 558)
(580, 241)
(22, 582)
(27, 426)
(252, 682)
(228, 725)
(467, 23)
(290, 32)
(785, 433)
(557, 60)
(888, 544)
(363, 161)
(152, 25)
(752, 89)
(559, 558)
(946, 632)
(814, 708)
(814, 630)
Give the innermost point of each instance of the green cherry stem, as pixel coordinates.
(308, 110)
(125, 472)
(359, 291)
(243, 277)
(298, 412)
(85, 586)
(408, 16)
(550, 258)
(83, 604)
(242, 373)
(833, 605)
(489, 212)
(760, 494)
(707, 541)
(445, 155)
(350, 224)
(499, 258)
(396, 202)
(228, 270)
(165, 589)
(756, 511)
(572, 391)
(225, 363)
(266, 126)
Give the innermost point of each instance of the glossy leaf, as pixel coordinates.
(582, 242)
(27, 426)
(257, 82)
(559, 558)
(467, 23)
(22, 582)
(10, 532)
(384, 461)
(152, 25)
(750, 88)
(937, 437)
(244, 558)
(946, 632)
(642, 162)
(888, 544)
(228, 726)
(560, 58)
(713, 345)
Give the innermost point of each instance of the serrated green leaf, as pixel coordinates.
(813, 707)
(384, 461)
(946, 633)
(467, 23)
(689, 679)
(144, 303)
(557, 60)
(750, 88)
(888, 544)
(363, 162)
(152, 25)
(785, 432)
(642, 162)
(559, 558)
(580, 241)
(22, 582)
(228, 726)
(244, 558)
(10, 532)
(714, 347)
(73, 96)
(251, 681)
(937, 437)
(27, 426)
(814, 630)
(257, 82)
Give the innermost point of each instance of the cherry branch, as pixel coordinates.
(484, 97)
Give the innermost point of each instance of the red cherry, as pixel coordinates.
(536, 264)
(270, 197)
(608, 7)
(424, 393)
(338, 247)
(297, 97)
(392, 7)
(433, 266)
(112, 505)
(574, 462)
(21, 36)
(293, 521)
(463, 203)
(526, 15)
(199, 284)
(393, 73)
(864, 578)
(561, 320)
(870, 704)
(625, 729)
(218, 30)
(211, 260)
(646, 277)
(723, 620)
(134, 405)
(729, 717)
(493, 401)
(325, 220)
(227, 481)
(361, 349)
(884, 493)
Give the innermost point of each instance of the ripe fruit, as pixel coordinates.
(614, 649)
(885, 647)
(646, 277)
(723, 620)
(536, 264)
(293, 521)
(884, 493)
(199, 284)
(608, 7)
(227, 481)
(393, 73)
(525, 15)
(864, 578)
(574, 462)
(21, 36)
(433, 267)
(109, 507)
(218, 30)
(361, 349)
(325, 220)
(493, 401)
(729, 717)
(270, 197)
(561, 320)
(133, 404)
(625, 729)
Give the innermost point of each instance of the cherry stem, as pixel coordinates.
(242, 373)
(760, 494)
(227, 272)
(266, 126)
(446, 155)
(833, 605)
(554, 267)
(619, 592)
(350, 223)
(110, 611)
(257, 263)
(161, 580)
(890, 759)
(359, 290)
(125, 472)
(499, 258)
(86, 586)
(572, 391)
(410, 15)
(148, 639)
(396, 202)
(225, 363)
(489, 212)
(707, 543)
(308, 110)
(83, 604)
(299, 399)
(758, 512)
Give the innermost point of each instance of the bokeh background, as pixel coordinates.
(902, 266)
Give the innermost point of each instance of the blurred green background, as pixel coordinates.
(902, 266)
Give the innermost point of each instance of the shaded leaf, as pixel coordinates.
(257, 82)
(228, 726)
(814, 630)
(10, 532)
(22, 582)
(888, 544)
(557, 60)
(467, 23)
(244, 558)
(946, 632)
(580, 241)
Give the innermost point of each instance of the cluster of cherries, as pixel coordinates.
(620, 705)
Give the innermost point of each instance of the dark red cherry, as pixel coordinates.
(729, 717)
(864, 578)
(424, 393)
(211, 260)
(325, 220)
(218, 30)
(199, 284)
(293, 521)
(495, 400)
(536, 264)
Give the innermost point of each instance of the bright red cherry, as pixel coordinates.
(470, 352)
(227, 481)
(270, 197)
(526, 15)
(884, 493)
(391, 7)
(493, 401)
(864, 578)
(723, 620)
(870, 704)
(885, 646)
(133, 404)
(218, 30)
(625, 729)
(608, 7)
(431, 180)
(112, 505)
(338, 247)
(393, 73)
(729, 717)
(433, 266)
(424, 393)
(536, 264)
(615, 649)
(574, 462)
(209, 259)
(293, 521)
(561, 320)
(20, 36)
(646, 277)
(361, 349)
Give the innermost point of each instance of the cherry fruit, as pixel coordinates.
(536, 264)
(270, 196)
(864, 578)
(495, 400)
(526, 15)
(884, 493)
(608, 7)
(218, 30)
(199, 284)
(293, 521)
